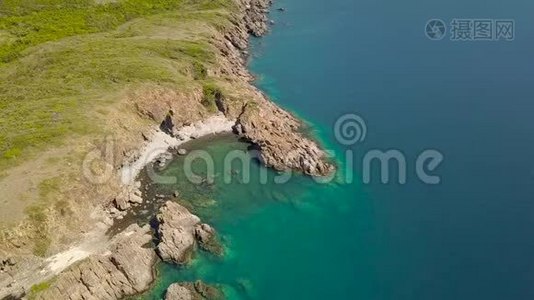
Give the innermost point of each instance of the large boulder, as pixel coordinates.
(176, 233)
(180, 232)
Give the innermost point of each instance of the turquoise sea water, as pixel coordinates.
(469, 237)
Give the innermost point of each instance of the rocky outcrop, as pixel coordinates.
(179, 231)
(193, 291)
(178, 292)
(207, 239)
(176, 233)
(130, 195)
(277, 135)
(127, 269)
(255, 17)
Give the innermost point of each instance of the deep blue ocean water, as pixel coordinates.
(470, 237)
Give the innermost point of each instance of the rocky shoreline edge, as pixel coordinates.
(127, 268)
(123, 265)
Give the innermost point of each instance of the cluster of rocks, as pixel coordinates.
(163, 159)
(278, 137)
(129, 197)
(126, 269)
(193, 291)
(180, 232)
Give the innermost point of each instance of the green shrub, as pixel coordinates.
(199, 71)
(39, 288)
(212, 93)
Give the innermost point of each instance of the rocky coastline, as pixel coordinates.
(125, 265)
(125, 269)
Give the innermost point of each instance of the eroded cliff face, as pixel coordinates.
(276, 133)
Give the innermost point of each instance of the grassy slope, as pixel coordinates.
(59, 58)
(61, 61)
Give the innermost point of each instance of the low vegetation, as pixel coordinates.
(38, 288)
(60, 60)
(211, 94)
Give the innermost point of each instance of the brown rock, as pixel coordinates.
(176, 233)
(278, 137)
(121, 202)
(178, 292)
(126, 270)
(207, 239)
(193, 291)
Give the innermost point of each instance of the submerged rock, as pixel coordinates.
(193, 291)
(178, 292)
(207, 239)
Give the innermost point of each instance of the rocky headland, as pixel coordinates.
(126, 266)
(123, 265)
